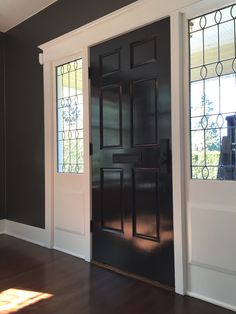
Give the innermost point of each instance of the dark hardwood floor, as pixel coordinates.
(80, 288)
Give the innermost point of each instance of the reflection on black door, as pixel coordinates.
(131, 135)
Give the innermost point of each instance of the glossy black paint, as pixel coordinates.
(24, 99)
(131, 134)
(2, 129)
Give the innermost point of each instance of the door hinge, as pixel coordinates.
(90, 149)
(91, 226)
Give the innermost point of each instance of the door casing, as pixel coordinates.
(112, 25)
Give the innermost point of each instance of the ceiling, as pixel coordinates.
(13, 12)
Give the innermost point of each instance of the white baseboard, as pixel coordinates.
(2, 226)
(70, 242)
(213, 301)
(68, 252)
(39, 236)
(25, 232)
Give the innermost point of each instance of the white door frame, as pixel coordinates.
(133, 16)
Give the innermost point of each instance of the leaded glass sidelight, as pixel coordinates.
(212, 42)
(70, 143)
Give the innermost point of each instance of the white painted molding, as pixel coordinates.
(69, 252)
(84, 28)
(212, 206)
(214, 210)
(2, 226)
(49, 161)
(212, 267)
(41, 58)
(180, 243)
(110, 26)
(70, 231)
(206, 6)
(31, 234)
(25, 232)
(210, 300)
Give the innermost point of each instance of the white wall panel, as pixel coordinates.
(212, 238)
(70, 204)
(70, 242)
(217, 192)
(212, 286)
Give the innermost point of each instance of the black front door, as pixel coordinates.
(131, 161)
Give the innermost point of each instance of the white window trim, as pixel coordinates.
(112, 25)
(190, 13)
(55, 64)
(66, 60)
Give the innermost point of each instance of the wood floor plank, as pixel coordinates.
(82, 288)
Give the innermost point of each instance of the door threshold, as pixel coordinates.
(133, 276)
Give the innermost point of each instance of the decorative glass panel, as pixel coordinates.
(70, 137)
(212, 41)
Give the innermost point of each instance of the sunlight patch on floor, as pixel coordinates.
(13, 300)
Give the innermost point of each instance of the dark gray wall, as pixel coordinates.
(24, 101)
(2, 132)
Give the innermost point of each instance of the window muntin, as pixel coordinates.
(212, 42)
(70, 133)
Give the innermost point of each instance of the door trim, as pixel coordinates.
(110, 26)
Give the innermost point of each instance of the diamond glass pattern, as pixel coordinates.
(212, 44)
(70, 138)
